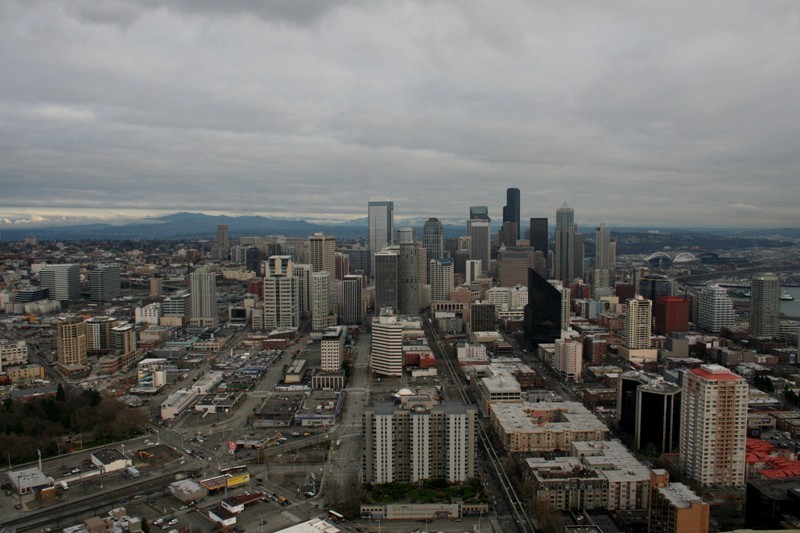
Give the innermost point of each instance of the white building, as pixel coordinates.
(386, 356)
(715, 309)
(320, 306)
(332, 349)
(568, 360)
(149, 314)
(13, 353)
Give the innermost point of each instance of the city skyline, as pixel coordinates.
(636, 115)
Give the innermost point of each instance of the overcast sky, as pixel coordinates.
(678, 113)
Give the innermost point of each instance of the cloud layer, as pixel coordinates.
(634, 113)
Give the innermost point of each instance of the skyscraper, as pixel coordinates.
(511, 209)
(104, 283)
(715, 309)
(638, 323)
(479, 231)
(386, 268)
(353, 303)
(713, 427)
(281, 294)
(765, 306)
(565, 243)
(538, 235)
(71, 344)
(319, 300)
(433, 238)
(386, 357)
(441, 278)
(64, 281)
(408, 279)
(303, 271)
(381, 228)
(322, 252)
(543, 314)
(203, 284)
(222, 244)
(602, 257)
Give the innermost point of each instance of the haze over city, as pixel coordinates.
(636, 114)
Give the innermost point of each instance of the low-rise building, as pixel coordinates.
(110, 460)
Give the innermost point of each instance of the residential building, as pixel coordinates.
(765, 306)
(203, 283)
(332, 349)
(322, 252)
(715, 309)
(386, 354)
(441, 278)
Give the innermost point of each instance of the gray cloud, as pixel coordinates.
(634, 113)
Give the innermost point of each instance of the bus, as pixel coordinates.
(336, 517)
(233, 470)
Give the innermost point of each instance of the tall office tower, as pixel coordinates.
(156, 287)
(64, 281)
(433, 238)
(176, 310)
(653, 286)
(568, 360)
(765, 306)
(359, 260)
(658, 415)
(565, 243)
(441, 279)
(543, 314)
(511, 209)
(98, 334)
(296, 247)
(422, 262)
(602, 257)
(406, 234)
(281, 294)
(638, 323)
(473, 269)
(322, 252)
(612, 251)
(538, 235)
(203, 285)
(386, 357)
(578, 255)
(71, 344)
(420, 441)
(104, 284)
(408, 279)
(482, 316)
(714, 309)
(342, 265)
(253, 257)
(713, 427)
(513, 265)
(479, 231)
(387, 265)
(352, 300)
(450, 247)
(381, 228)
(303, 274)
(508, 234)
(320, 306)
(671, 314)
(222, 246)
(479, 212)
(674, 507)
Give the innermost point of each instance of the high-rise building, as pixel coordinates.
(478, 212)
(71, 344)
(123, 339)
(513, 265)
(156, 287)
(176, 310)
(98, 335)
(420, 441)
(433, 238)
(671, 315)
(63, 281)
(653, 286)
(715, 309)
(578, 255)
(479, 231)
(342, 265)
(352, 300)
(568, 361)
(658, 412)
(332, 349)
(602, 258)
(538, 235)
(408, 279)
(381, 228)
(543, 314)
(104, 283)
(386, 357)
(765, 306)
(472, 268)
(441, 279)
(508, 234)
(203, 286)
(304, 288)
(320, 306)
(482, 316)
(322, 252)
(565, 243)
(386, 271)
(406, 234)
(638, 323)
(359, 260)
(713, 427)
(511, 209)
(281, 294)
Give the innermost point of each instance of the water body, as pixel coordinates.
(791, 308)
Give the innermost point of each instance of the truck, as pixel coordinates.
(64, 485)
(132, 471)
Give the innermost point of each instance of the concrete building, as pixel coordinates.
(765, 306)
(671, 315)
(441, 278)
(713, 427)
(386, 265)
(408, 279)
(148, 314)
(71, 342)
(419, 441)
(674, 507)
(12, 353)
(63, 281)
(473, 268)
(110, 460)
(320, 307)
(715, 309)
(332, 349)
(303, 271)
(281, 294)
(381, 228)
(352, 299)
(513, 264)
(386, 352)
(433, 238)
(565, 244)
(480, 234)
(322, 253)
(638, 330)
(176, 310)
(203, 284)
(568, 361)
(178, 403)
(104, 283)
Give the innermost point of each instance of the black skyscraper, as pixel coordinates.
(511, 209)
(539, 237)
(543, 312)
